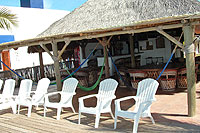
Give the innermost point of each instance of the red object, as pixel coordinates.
(197, 29)
(5, 55)
(77, 55)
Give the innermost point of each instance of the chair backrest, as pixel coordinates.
(41, 89)
(8, 88)
(69, 86)
(146, 91)
(107, 88)
(25, 88)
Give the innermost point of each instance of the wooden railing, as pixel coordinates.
(33, 73)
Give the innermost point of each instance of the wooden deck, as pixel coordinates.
(169, 112)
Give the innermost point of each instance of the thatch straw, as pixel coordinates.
(102, 14)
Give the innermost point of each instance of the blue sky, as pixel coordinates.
(68, 5)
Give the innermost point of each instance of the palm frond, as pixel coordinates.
(7, 19)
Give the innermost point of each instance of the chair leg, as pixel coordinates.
(135, 126)
(79, 117)
(152, 119)
(112, 115)
(59, 112)
(14, 108)
(18, 108)
(29, 110)
(73, 109)
(115, 123)
(97, 120)
(45, 108)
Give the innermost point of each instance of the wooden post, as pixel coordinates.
(107, 73)
(190, 66)
(41, 64)
(56, 65)
(104, 42)
(133, 65)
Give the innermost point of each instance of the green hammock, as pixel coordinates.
(87, 88)
(94, 86)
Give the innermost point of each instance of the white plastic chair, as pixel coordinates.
(104, 97)
(67, 93)
(6, 98)
(8, 90)
(24, 92)
(38, 95)
(144, 98)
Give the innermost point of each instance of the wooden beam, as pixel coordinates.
(33, 42)
(170, 38)
(56, 65)
(41, 65)
(133, 65)
(104, 42)
(130, 31)
(107, 72)
(63, 49)
(190, 66)
(46, 49)
(59, 38)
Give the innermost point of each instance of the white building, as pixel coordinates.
(32, 21)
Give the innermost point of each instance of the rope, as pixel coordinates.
(95, 85)
(169, 58)
(119, 72)
(165, 65)
(77, 68)
(15, 72)
(12, 70)
(97, 82)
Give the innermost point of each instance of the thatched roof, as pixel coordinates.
(97, 18)
(105, 14)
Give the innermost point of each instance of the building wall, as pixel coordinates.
(32, 21)
(32, 3)
(155, 52)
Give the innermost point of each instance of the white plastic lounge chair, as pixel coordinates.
(8, 90)
(24, 92)
(6, 98)
(38, 96)
(67, 93)
(104, 97)
(144, 98)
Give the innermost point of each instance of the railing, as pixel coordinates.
(34, 73)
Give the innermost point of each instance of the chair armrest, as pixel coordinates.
(88, 96)
(46, 96)
(67, 93)
(80, 100)
(117, 101)
(53, 93)
(126, 98)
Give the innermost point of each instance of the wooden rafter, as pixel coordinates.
(46, 49)
(63, 49)
(170, 38)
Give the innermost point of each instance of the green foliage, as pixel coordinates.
(7, 19)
